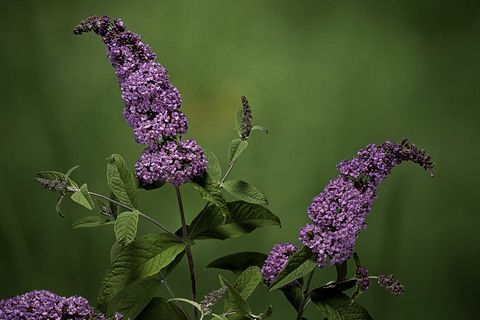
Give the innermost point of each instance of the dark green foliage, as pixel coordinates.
(239, 262)
(243, 218)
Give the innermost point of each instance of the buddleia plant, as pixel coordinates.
(142, 264)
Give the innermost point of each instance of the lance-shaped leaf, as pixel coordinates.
(235, 149)
(259, 128)
(338, 306)
(244, 217)
(213, 166)
(159, 308)
(245, 284)
(210, 190)
(237, 304)
(91, 222)
(131, 301)
(244, 191)
(239, 262)
(143, 258)
(126, 227)
(83, 197)
(121, 181)
(299, 264)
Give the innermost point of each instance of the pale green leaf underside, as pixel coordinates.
(83, 198)
(121, 181)
(126, 227)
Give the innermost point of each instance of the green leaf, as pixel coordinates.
(338, 306)
(83, 198)
(244, 217)
(91, 222)
(121, 181)
(213, 166)
(190, 302)
(126, 227)
(235, 149)
(115, 250)
(239, 262)
(56, 176)
(293, 294)
(137, 296)
(218, 316)
(58, 206)
(267, 313)
(244, 191)
(245, 284)
(210, 190)
(159, 308)
(299, 264)
(143, 258)
(236, 303)
(260, 128)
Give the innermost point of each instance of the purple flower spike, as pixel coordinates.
(174, 162)
(151, 101)
(338, 214)
(277, 261)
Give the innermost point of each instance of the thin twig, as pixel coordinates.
(143, 215)
(188, 249)
(305, 292)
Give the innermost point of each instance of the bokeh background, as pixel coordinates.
(326, 78)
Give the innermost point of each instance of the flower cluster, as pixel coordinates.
(277, 261)
(338, 214)
(152, 102)
(174, 162)
(45, 305)
(362, 276)
(392, 285)
(211, 299)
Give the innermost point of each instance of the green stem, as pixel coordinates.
(143, 215)
(305, 293)
(172, 294)
(188, 249)
(230, 167)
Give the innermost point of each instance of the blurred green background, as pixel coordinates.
(326, 78)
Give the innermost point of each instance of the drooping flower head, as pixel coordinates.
(151, 106)
(45, 305)
(375, 162)
(173, 162)
(277, 261)
(338, 214)
(151, 100)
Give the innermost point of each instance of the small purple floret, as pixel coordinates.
(277, 261)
